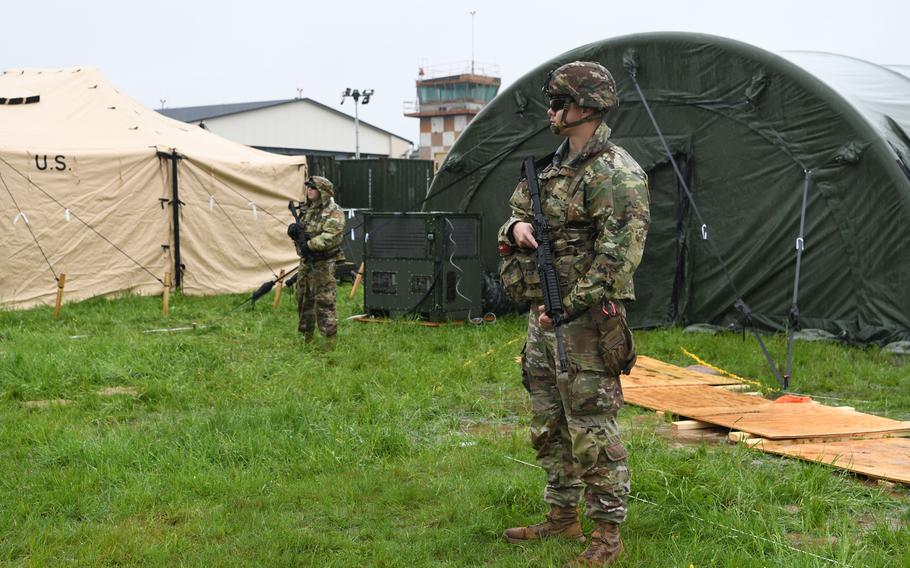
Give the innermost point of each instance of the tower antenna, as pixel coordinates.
(472, 40)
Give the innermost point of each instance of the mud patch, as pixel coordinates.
(502, 427)
(868, 521)
(800, 540)
(46, 403)
(114, 391)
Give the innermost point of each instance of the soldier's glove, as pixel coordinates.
(291, 282)
(304, 245)
(294, 230)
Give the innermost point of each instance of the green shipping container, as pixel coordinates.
(325, 166)
(384, 184)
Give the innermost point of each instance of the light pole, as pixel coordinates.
(472, 40)
(356, 95)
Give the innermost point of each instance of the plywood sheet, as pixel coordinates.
(887, 458)
(761, 417)
(693, 400)
(783, 421)
(814, 432)
(650, 372)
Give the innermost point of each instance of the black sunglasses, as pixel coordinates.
(556, 104)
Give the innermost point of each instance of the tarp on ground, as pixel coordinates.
(745, 126)
(86, 190)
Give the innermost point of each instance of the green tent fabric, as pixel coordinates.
(744, 125)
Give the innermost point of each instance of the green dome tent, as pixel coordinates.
(750, 133)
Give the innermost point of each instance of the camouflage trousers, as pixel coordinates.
(316, 298)
(573, 424)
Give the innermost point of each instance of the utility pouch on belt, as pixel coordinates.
(518, 272)
(616, 346)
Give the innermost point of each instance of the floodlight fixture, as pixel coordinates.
(357, 95)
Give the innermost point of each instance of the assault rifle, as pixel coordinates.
(266, 287)
(549, 279)
(296, 232)
(297, 213)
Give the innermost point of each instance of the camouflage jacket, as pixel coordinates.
(323, 222)
(597, 209)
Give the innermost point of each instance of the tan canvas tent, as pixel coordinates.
(87, 185)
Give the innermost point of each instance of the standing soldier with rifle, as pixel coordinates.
(317, 235)
(574, 240)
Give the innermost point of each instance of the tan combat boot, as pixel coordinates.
(604, 549)
(561, 522)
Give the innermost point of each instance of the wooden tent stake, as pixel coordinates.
(357, 281)
(166, 297)
(278, 286)
(60, 282)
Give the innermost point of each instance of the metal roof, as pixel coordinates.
(198, 113)
(194, 113)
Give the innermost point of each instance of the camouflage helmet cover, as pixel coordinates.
(588, 83)
(321, 184)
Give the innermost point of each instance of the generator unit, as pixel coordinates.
(422, 264)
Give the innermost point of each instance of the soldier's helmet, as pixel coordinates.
(321, 184)
(588, 83)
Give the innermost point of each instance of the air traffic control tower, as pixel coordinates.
(448, 97)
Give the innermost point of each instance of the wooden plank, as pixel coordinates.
(166, 295)
(785, 421)
(650, 372)
(745, 438)
(689, 401)
(663, 367)
(845, 437)
(278, 286)
(887, 458)
(61, 280)
(647, 378)
(837, 436)
(357, 280)
(691, 425)
(761, 417)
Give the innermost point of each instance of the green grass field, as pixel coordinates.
(237, 445)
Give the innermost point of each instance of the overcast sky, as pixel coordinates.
(206, 52)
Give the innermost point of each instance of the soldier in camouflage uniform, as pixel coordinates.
(318, 238)
(595, 198)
